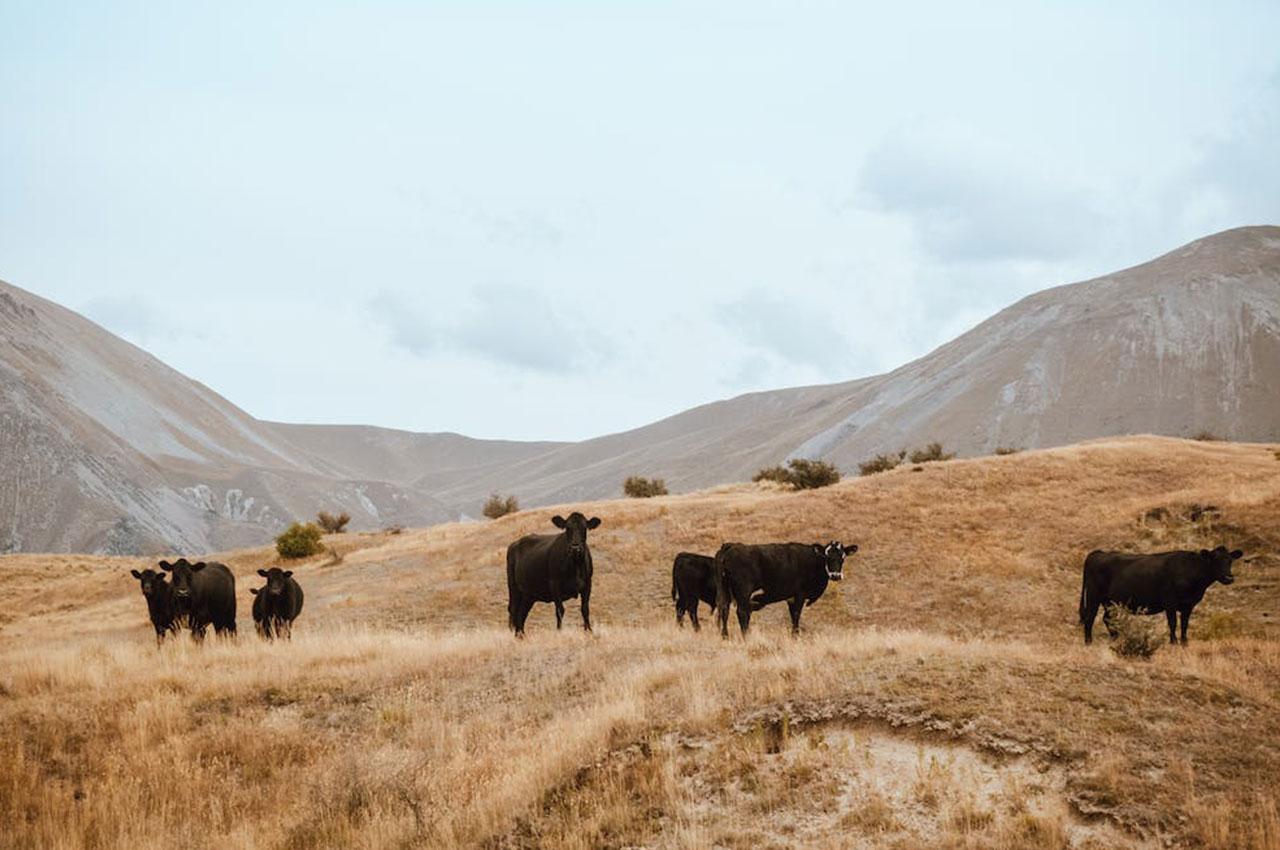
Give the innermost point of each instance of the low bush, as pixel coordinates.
(1135, 638)
(333, 524)
(881, 463)
(637, 487)
(930, 453)
(496, 506)
(1007, 450)
(801, 473)
(1206, 437)
(299, 541)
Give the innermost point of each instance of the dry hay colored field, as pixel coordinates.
(940, 696)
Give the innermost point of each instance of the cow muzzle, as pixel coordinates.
(1227, 579)
(835, 576)
(182, 593)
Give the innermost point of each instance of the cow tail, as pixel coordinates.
(722, 593)
(511, 590)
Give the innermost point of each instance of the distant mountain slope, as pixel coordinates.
(1186, 343)
(103, 447)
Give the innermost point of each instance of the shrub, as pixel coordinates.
(394, 529)
(812, 474)
(881, 463)
(1134, 636)
(801, 473)
(1206, 437)
(333, 524)
(642, 488)
(299, 541)
(773, 473)
(497, 506)
(1007, 450)
(931, 453)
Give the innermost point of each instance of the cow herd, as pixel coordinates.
(557, 567)
(204, 594)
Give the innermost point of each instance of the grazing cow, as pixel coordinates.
(1171, 582)
(277, 604)
(550, 568)
(756, 576)
(205, 594)
(159, 596)
(693, 579)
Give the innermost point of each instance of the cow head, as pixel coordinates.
(153, 584)
(833, 555)
(575, 531)
(182, 571)
(275, 580)
(1218, 563)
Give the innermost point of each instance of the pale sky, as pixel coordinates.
(556, 220)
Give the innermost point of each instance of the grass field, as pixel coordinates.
(939, 697)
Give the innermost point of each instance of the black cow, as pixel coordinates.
(277, 604)
(205, 594)
(159, 596)
(1171, 582)
(756, 576)
(550, 568)
(693, 579)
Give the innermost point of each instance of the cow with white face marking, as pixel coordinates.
(755, 576)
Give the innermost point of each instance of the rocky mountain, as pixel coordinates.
(104, 448)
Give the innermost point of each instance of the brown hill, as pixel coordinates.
(940, 695)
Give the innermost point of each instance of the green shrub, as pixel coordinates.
(1134, 636)
(881, 463)
(1007, 450)
(801, 473)
(642, 488)
(333, 524)
(299, 541)
(931, 453)
(496, 506)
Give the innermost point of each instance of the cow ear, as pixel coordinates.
(594, 522)
(136, 574)
(288, 573)
(557, 521)
(195, 568)
(820, 549)
(1237, 555)
(166, 566)
(851, 548)
(262, 573)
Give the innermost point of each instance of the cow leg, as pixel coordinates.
(1087, 617)
(680, 613)
(522, 614)
(559, 614)
(744, 617)
(1186, 617)
(586, 610)
(693, 616)
(1172, 616)
(796, 605)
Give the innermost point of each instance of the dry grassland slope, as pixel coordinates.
(940, 695)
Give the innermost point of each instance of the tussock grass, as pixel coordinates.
(402, 714)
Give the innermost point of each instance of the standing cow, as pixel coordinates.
(693, 579)
(205, 594)
(550, 568)
(277, 604)
(1171, 582)
(755, 576)
(159, 596)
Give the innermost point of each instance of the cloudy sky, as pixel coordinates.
(566, 218)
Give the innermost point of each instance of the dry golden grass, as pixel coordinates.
(940, 696)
